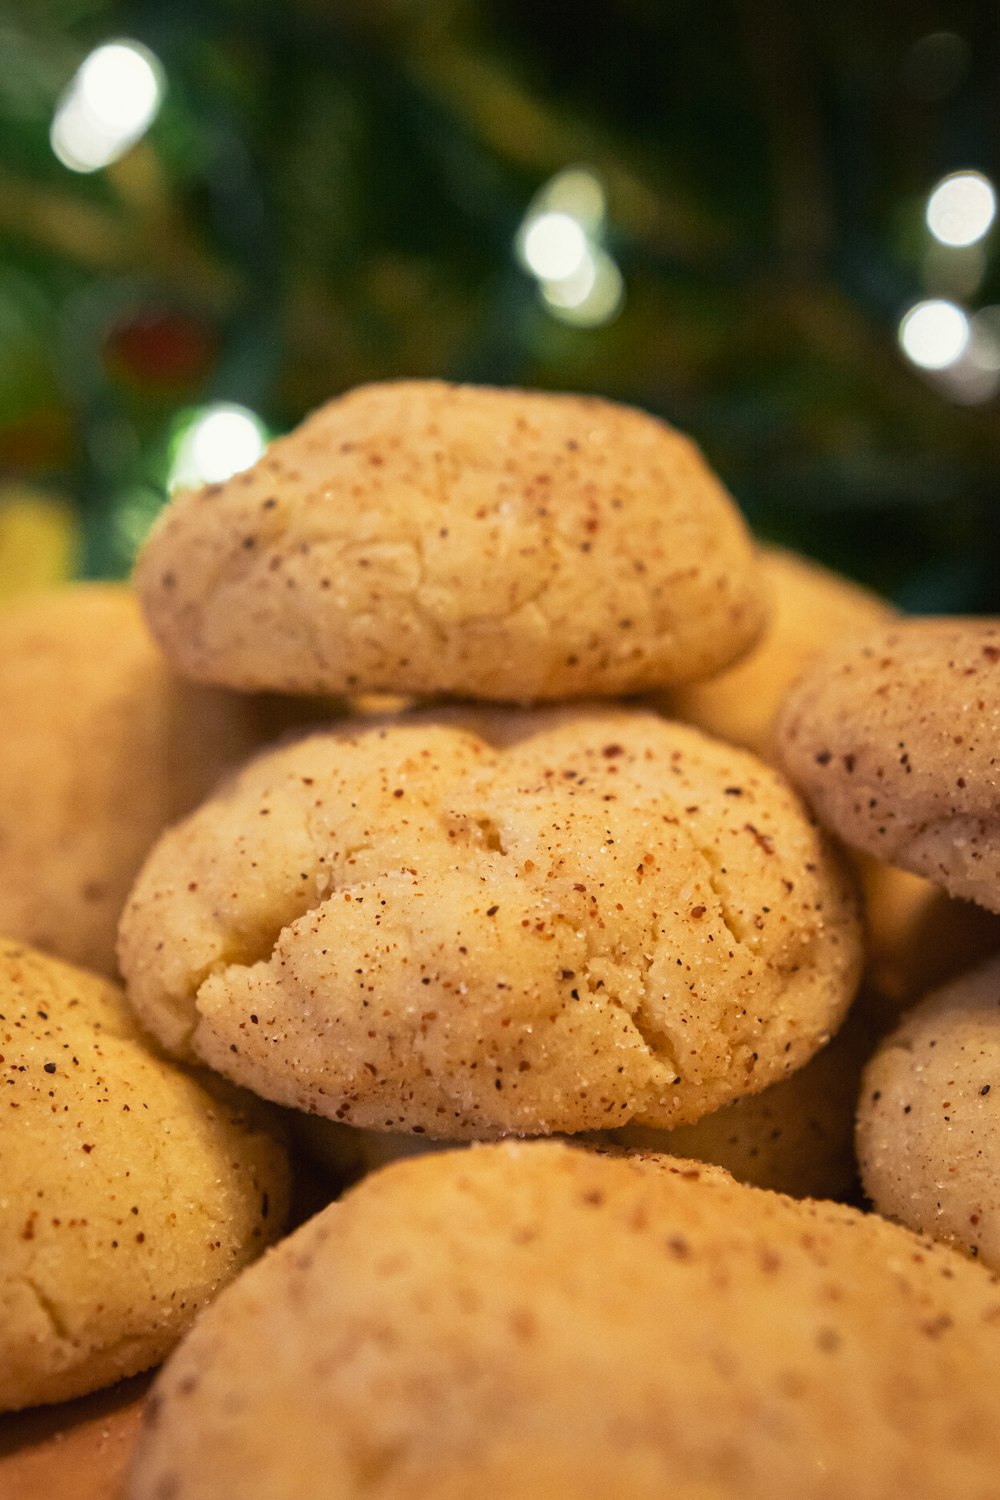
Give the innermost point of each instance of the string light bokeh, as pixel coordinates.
(780, 236)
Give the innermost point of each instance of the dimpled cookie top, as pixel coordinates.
(894, 738)
(130, 1191)
(420, 537)
(532, 1320)
(408, 928)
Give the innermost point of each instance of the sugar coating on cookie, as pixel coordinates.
(929, 1116)
(409, 928)
(534, 1319)
(130, 1192)
(102, 747)
(421, 537)
(894, 740)
(811, 608)
(796, 1136)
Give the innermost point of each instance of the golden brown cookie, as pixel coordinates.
(929, 1116)
(795, 1137)
(407, 928)
(811, 608)
(420, 537)
(535, 1319)
(130, 1192)
(918, 937)
(101, 747)
(894, 740)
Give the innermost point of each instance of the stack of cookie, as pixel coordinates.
(561, 887)
(477, 921)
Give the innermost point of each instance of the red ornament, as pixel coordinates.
(156, 349)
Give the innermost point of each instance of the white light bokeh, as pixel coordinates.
(593, 295)
(553, 245)
(934, 334)
(559, 243)
(961, 208)
(574, 191)
(217, 442)
(111, 101)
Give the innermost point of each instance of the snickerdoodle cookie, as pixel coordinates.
(895, 740)
(811, 608)
(406, 927)
(130, 1192)
(427, 538)
(102, 746)
(535, 1320)
(929, 1116)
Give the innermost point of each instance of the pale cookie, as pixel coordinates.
(407, 928)
(532, 1319)
(101, 747)
(895, 740)
(928, 1121)
(129, 1191)
(811, 608)
(420, 537)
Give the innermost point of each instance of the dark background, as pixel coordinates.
(331, 193)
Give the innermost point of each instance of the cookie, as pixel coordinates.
(531, 1319)
(420, 537)
(408, 928)
(131, 1192)
(894, 739)
(918, 937)
(102, 747)
(928, 1121)
(795, 1137)
(811, 608)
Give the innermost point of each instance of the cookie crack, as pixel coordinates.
(656, 1037)
(729, 917)
(50, 1309)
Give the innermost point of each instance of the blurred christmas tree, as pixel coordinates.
(718, 212)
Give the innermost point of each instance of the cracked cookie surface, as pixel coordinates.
(421, 537)
(130, 1191)
(580, 920)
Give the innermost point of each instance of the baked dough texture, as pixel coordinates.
(928, 1123)
(532, 1319)
(811, 608)
(794, 1137)
(895, 740)
(420, 537)
(408, 928)
(130, 1192)
(102, 746)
